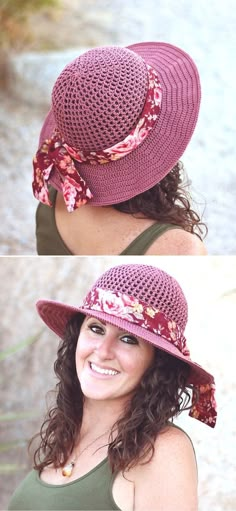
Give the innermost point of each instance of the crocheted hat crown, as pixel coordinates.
(98, 98)
(150, 285)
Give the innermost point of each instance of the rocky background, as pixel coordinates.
(29, 68)
(27, 374)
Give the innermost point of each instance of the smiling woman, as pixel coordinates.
(124, 372)
(104, 352)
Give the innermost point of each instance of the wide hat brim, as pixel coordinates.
(56, 316)
(151, 161)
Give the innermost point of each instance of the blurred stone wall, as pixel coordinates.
(25, 377)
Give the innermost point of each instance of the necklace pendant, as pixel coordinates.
(68, 469)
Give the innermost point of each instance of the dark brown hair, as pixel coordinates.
(167, 202)
(161, 395)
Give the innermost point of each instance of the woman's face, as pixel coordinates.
(110, 362)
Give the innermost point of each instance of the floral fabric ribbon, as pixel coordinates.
(134, 311)
(205, 409)
(152, 319)
(55, 153)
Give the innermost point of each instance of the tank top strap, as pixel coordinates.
(140, 245)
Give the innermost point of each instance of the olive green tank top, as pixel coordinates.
(93, 491)
(49, 241)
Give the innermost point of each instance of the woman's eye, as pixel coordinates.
(97, 329)
(129, 339)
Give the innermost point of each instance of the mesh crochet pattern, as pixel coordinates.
(151, 285)
(148, 163)
(98, 98)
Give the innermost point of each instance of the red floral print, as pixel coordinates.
(205, 408)
(127, 307)
(53, 154)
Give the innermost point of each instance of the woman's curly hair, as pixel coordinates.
(161, 395)
(168, 202)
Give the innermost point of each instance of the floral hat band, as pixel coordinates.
(135, 311)
(153, 320)
(55, 153)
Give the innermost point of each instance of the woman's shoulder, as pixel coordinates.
(170, 477)
(169, 444)
(173, 437)
(177, 242)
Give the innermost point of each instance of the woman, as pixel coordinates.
(124, 373)
(120, 120)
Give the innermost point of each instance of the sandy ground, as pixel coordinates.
(205, 30)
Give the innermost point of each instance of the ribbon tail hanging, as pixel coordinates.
(40, 182)
(75, 192)
(205, 408)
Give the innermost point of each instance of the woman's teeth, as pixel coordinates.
(100, 370)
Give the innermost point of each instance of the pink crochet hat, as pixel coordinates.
(101, 107)
(146, 302)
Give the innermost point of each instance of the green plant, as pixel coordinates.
(6, 417)
(20, 345)
(12, 445)
(7, 468)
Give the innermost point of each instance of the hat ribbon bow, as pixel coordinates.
(55, 154)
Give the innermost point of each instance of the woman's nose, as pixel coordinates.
(105, 347)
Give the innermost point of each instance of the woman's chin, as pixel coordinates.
(96, 394)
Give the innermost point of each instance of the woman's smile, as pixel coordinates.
(110, 362)
(102, 371)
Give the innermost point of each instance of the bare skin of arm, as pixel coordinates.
(169, 481)
(177, 242)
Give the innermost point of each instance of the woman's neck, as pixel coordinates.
(100, 416)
